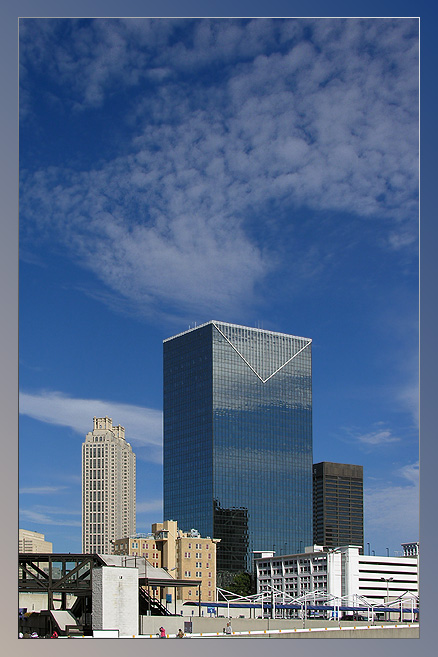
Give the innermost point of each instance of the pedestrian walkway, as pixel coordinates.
(409, 630)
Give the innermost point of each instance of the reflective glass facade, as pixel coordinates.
(238, 439)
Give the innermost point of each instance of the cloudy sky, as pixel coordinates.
(257, 171)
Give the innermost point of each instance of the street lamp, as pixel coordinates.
(387, 580)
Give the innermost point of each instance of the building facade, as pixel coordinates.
(185, 555)
(238, 439)
(411, 549)
(108, 487)
(337, 504)
(342, 572)
(29, 541)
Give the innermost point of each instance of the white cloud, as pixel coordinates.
(408, 398)
(41, 490)
(143, 426)
(411, 472)
(394, 509)
(403, 237)
(314, 123)
(150, 506)
(49, 516)
(382, 437)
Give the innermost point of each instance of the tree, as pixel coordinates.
(242, 584)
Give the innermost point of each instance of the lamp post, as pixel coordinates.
(387, 580)
(304, 611)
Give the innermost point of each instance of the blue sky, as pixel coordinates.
(257, 171)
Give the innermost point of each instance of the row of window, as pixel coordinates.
(198, 555)
(154, 555)
(187, 573)
(197, 592)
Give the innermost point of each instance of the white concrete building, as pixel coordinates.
(411, 549)
(108, 487)
(29, 541)
(115, 599)
(341, 573)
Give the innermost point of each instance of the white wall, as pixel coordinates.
(334, 574)
(40, 601)
(351, 571)
(115, 599)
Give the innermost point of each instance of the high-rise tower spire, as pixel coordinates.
(108, 487)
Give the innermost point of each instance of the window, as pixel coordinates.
(187, 573)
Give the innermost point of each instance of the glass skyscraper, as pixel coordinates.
(238, 439)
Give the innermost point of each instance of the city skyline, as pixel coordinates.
(249, 170)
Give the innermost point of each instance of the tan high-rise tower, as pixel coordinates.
(108, 487)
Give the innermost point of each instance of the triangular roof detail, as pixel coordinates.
(265, 362)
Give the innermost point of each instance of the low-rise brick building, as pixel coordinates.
(185, 555)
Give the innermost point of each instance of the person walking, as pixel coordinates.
(162, 633)
(180, 634)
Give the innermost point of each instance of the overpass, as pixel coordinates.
(72, 574)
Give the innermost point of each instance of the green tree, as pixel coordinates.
(242, 584)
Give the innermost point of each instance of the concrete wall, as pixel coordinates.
(115, 599)
(376, 633)
(151, 625)
(40, 601)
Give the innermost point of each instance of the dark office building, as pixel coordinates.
(337, 504)
(238, 439)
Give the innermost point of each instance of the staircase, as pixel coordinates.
(147, 603)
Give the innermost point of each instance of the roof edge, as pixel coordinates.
(251, 328)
